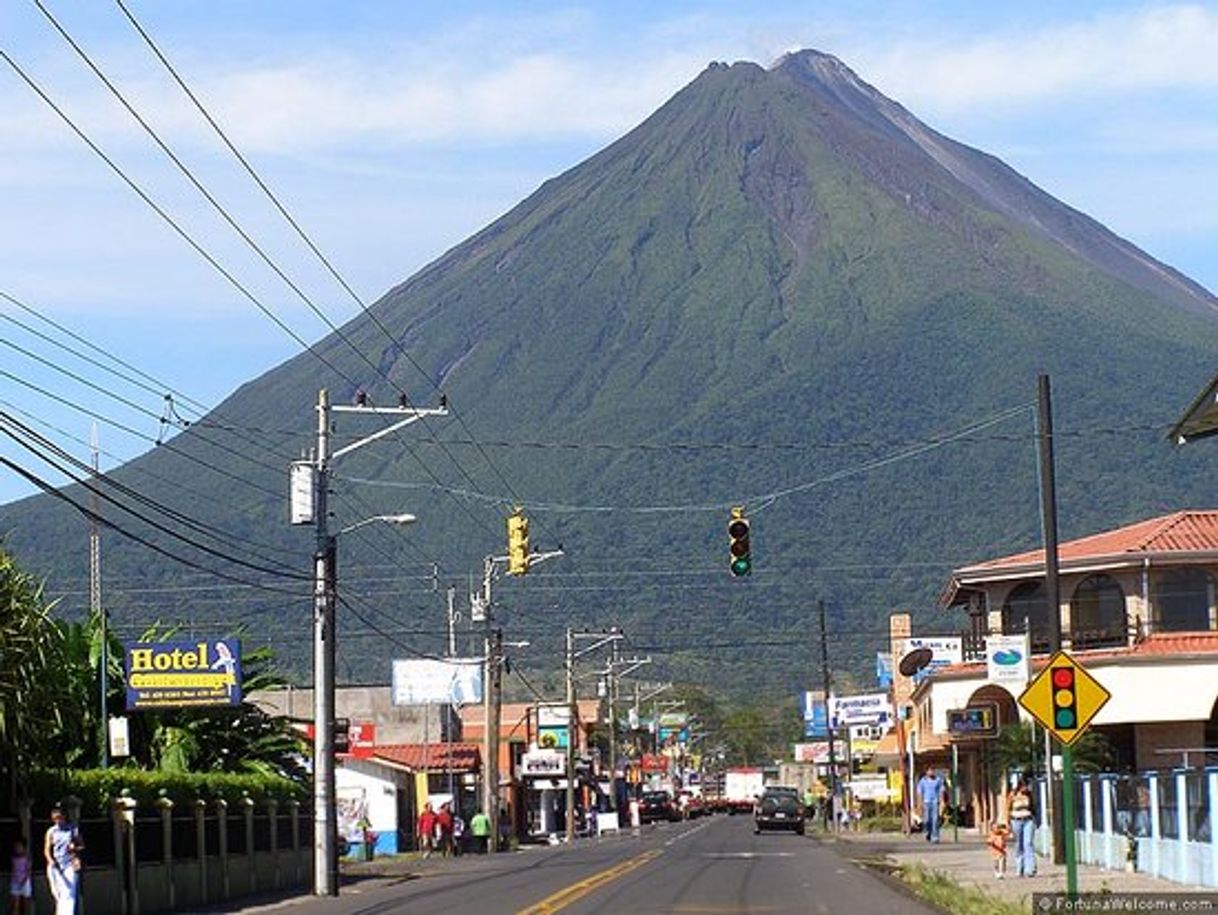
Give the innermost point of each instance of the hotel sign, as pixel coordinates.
(177, 674)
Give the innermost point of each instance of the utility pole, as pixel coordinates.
(325, 814)
(95, 600)
(452, 622)
(570, 666)
(600, 639)
(1061, 797)
(482, 609)
(610, 690)
(310, 504)
(828, 686)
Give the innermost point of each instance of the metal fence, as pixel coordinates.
(1159, 823)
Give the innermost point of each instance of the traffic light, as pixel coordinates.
(1065, 698)
(518, 543)
(740, 553)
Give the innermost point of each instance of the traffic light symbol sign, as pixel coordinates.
(518, 544)
(1065, 698)
(740, 553)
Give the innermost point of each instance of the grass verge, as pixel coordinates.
(953, 897)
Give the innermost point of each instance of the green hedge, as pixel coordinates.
(98, 787)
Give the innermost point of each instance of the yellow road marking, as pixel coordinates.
(556, 902)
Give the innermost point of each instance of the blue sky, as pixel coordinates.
(395, 130)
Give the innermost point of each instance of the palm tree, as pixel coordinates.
(1021, 748)
(31, 687)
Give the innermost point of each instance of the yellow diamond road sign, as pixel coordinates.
(1064, 698)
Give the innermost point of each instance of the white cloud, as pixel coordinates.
(1155, 49)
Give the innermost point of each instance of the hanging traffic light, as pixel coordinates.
(1065, 698)
(518, 543)
(740, 554)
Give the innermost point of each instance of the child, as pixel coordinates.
(998, 847)
(21, 887)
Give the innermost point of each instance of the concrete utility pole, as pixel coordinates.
(95, 600)
(617, 669)
(828, 686)
(601, 639)
(482, 610)
(325, 581)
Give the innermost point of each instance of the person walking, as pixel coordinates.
(61, 848)
(932, 797)
(480, 826)
(426, 830)
(1021, 814)
(20, 884)
(444, 829)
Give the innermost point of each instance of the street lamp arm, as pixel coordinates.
(402, 519)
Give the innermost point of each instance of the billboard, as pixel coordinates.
(816, 715)
(673, 727)
(175, 674)
(1006, 659)
(870, 708)
(943, 651)
(883, 670)
(435, 681)
(552, 728)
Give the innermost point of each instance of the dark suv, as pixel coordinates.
(779, 808)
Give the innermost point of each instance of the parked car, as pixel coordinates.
(691, 805)
(658, 805)
(779, 808)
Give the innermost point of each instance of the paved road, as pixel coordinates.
(714, 866)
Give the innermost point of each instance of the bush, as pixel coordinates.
(98, 787)
(880, 823)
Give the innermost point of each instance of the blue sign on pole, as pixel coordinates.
(176, 674)
(816, 716)
(883, 670)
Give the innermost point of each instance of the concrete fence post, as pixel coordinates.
(165, 806)
(222, 826)
(123, 813)
(247, 810)
(1088, 821)
(272, 814)
(1211, 776)
(1156, 835)
(201, 846)
(1182, 825)
(294, 809)
(1107, 783)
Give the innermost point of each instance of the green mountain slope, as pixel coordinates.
(781, 290)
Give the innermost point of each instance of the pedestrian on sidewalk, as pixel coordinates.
(61, 848)
(1021, 814)
(997, 843)
(444, 829)
(480, 826)
(426, 830)
(458, 833)
(932, 797)
(20, 882)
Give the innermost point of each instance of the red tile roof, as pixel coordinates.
(431, 757)
(1179, 532)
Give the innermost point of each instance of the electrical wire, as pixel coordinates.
(200, 527)
(47, 488)
(364, 307)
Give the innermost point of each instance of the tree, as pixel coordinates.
(1021, 747)
(32, 690)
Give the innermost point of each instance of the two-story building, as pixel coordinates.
(1138, 608)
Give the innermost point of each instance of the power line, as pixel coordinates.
(266, 190)
(52, 491)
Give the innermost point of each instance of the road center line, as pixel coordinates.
(558, 901)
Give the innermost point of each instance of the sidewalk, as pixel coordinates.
(968, 863)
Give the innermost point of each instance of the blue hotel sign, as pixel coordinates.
(202, 672)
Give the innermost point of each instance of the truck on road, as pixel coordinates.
(741, 788)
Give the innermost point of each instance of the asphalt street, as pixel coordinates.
(714, 865)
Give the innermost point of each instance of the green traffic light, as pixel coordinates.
(742, 566)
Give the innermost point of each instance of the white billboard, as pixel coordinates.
(1006, 659)
(427, 681)
(870, 708)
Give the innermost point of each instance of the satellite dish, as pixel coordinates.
(915, 661)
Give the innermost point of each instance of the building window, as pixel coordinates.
(1026, 609)
(1097, 614)
(1181, 601)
